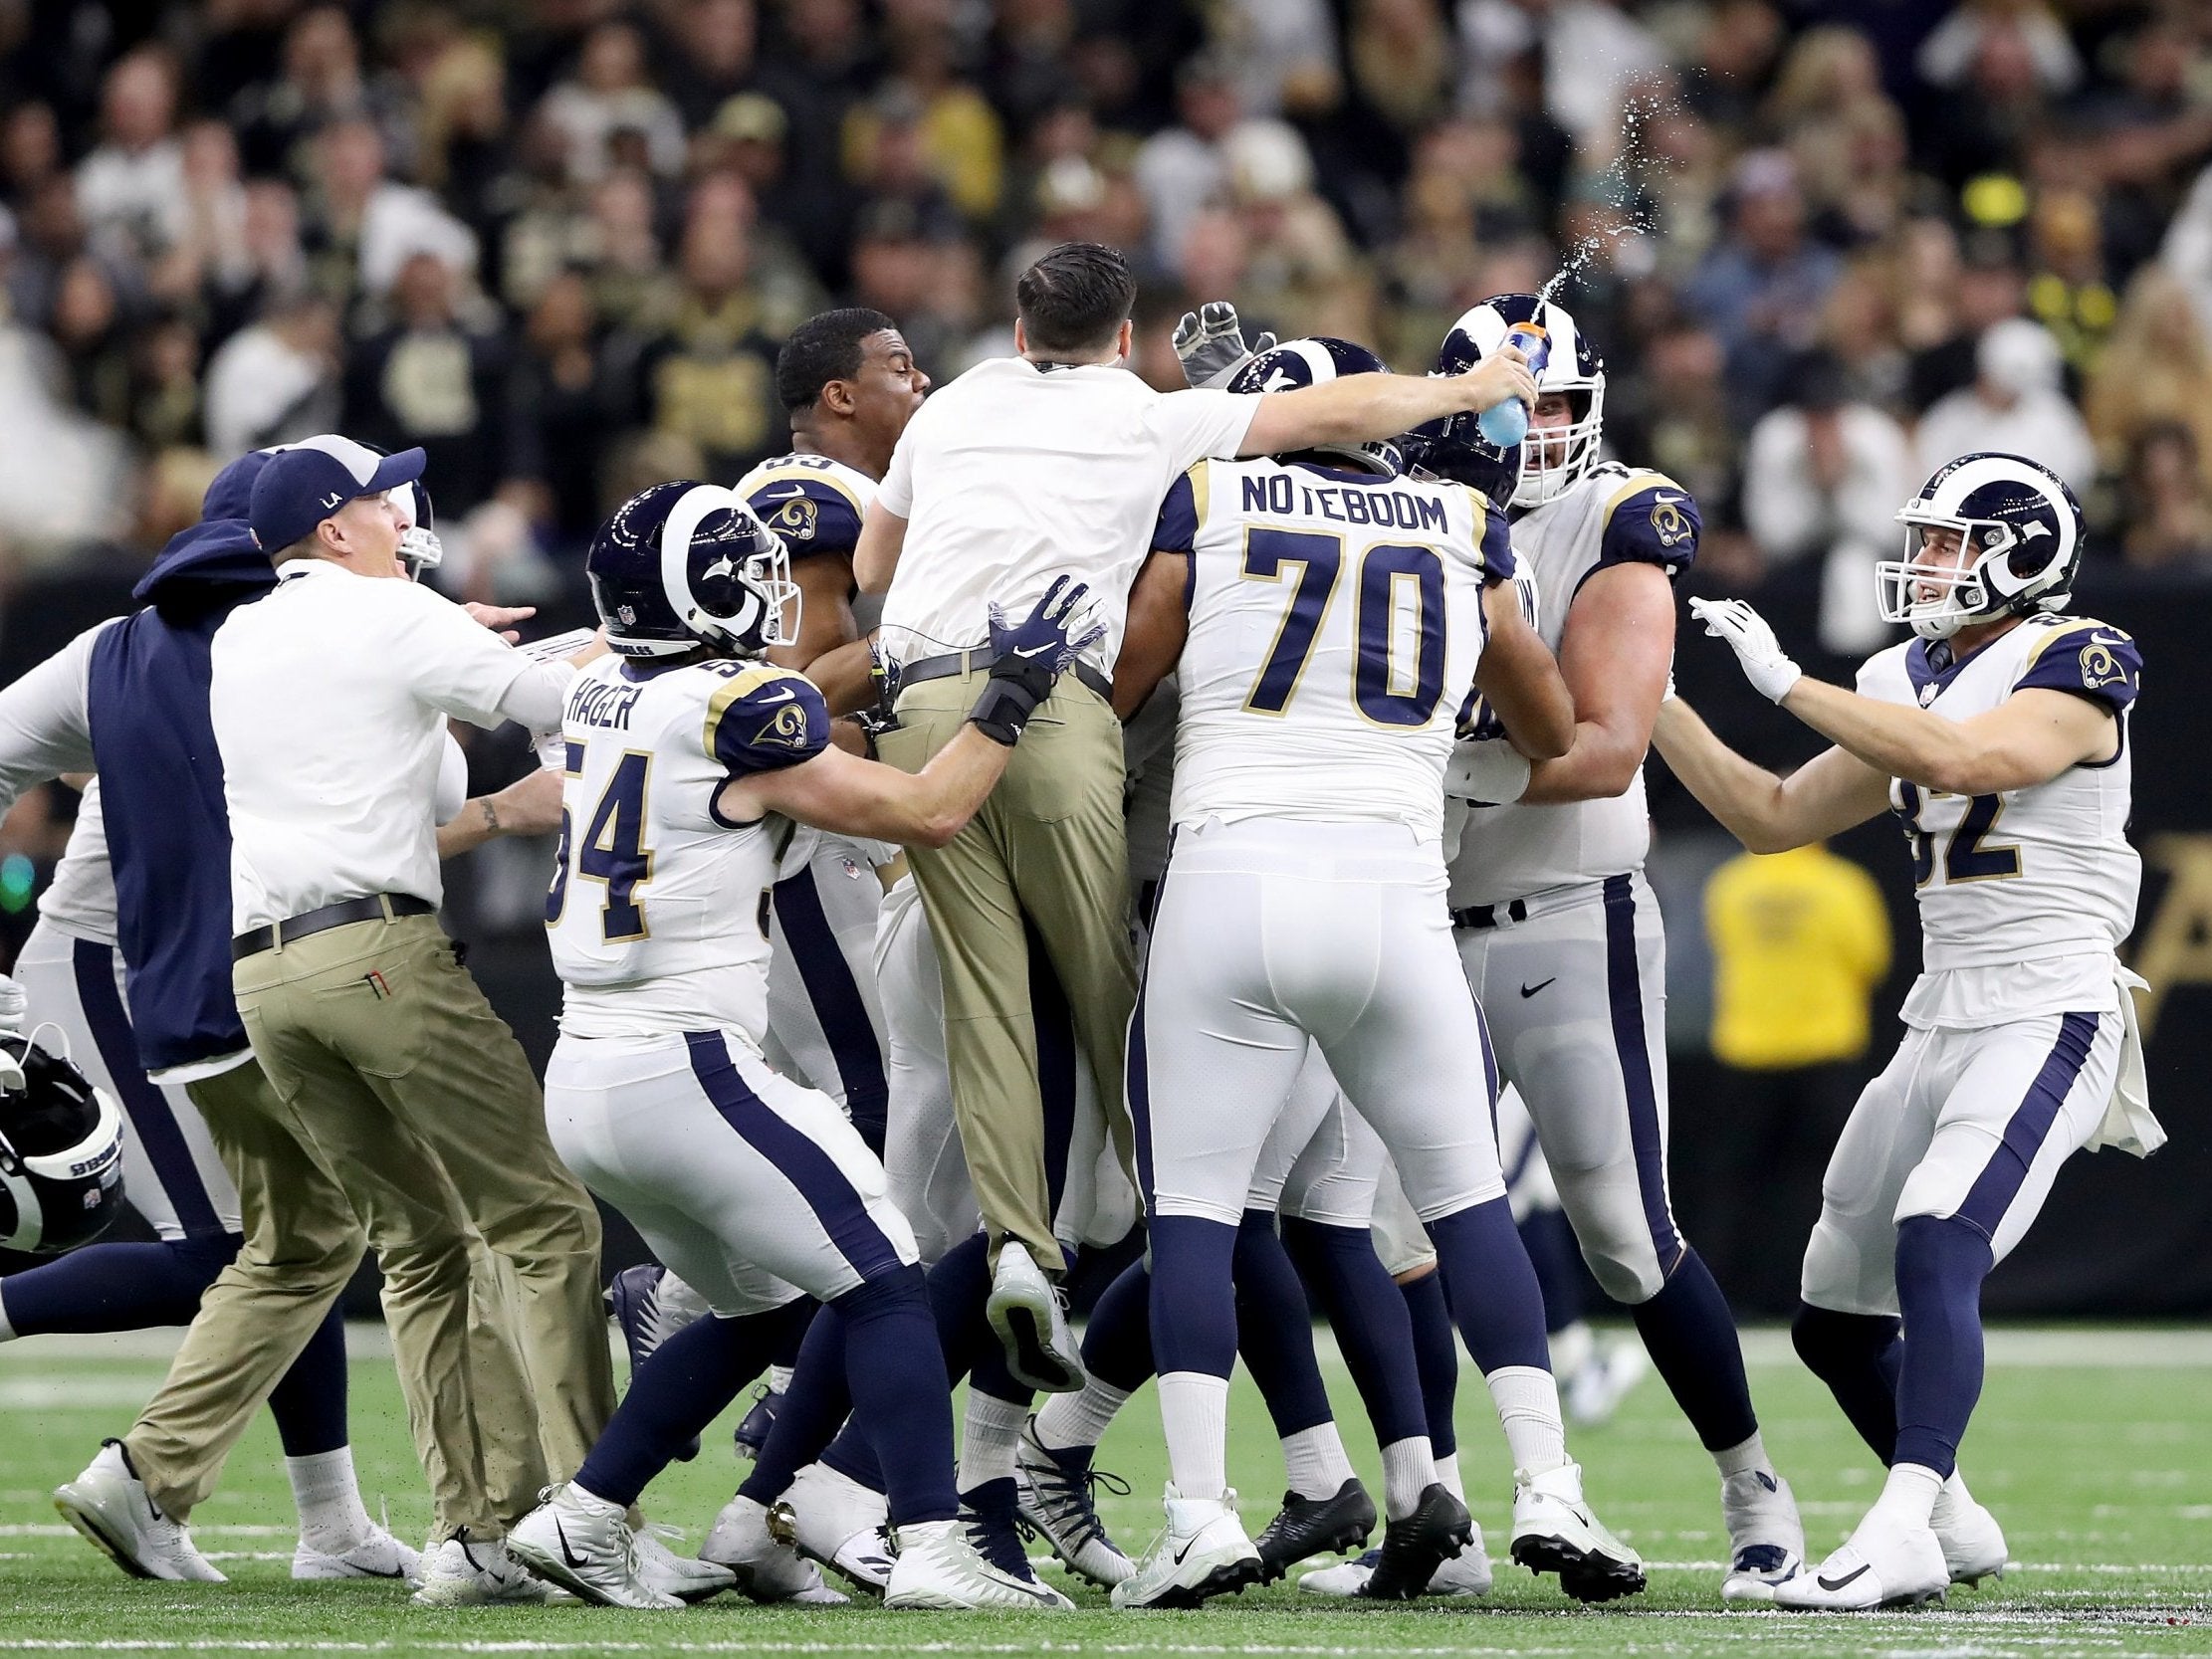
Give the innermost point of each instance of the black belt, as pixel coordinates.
(979, 661)
(375, 908)
(1486, 916)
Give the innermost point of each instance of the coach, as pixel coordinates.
(1058, 460)
(329, 702)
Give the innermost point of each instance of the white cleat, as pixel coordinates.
(685, 1577)
(585, 1545)
(755, 1543)
(1601, 1382)
(1554, 1531)
(939, 1566)
(1465, 1574)
(1878, 1566)
(1973, 1543)
(472, 1572)
(841, 1525)
(377, 1555)
(1204, 1551)
(107, 1503)
(1026, 1312)
(1056, 1503)
(1766, 1539)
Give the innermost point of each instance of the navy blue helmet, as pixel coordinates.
(1550, 459)
(1316, 361)
(2021, 531)
(686, 564)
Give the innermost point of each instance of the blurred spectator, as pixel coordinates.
(1761, 288)
(87, 330)
(242, 279)
(2014, 405)
(2187, 250)
(609, 96)
(2167, 503)
(1675, 417)
(60, 473)
(275, 380)
(131, 185)
(1985, 287)
(2148, 130)
(429, 377)
(1299, 267)
(1401, 60)
(1185, 167)
(1998, 65)
(320, 82)
(30, 150)
(711, 56)
(1824, 473)
(1737, 49)
(956, 136)
(365, 226)
(2156, 370)
(558, 407)
(1284, 53)
(1592, 52)
(1949, 55)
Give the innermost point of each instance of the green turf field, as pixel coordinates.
(2095, 1448)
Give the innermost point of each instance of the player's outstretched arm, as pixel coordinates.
(529, 806)
(1521, 679)
(1614, 654)
(1152, 640)
(1768, 814)
(1364, 408)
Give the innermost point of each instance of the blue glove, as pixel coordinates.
(1031, 654)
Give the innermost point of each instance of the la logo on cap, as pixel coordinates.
(334, 500)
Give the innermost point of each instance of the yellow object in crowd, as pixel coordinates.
(1800, 940)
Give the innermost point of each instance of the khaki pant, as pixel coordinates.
(1048, 846)
(409, 1094)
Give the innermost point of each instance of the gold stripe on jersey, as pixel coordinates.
(773, 474)
(746, 681)
(1202, 492)
(1628, 492)
(2067, 629)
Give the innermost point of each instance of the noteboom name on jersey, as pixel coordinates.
(1360, 504)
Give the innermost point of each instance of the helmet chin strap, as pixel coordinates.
(11, 1069)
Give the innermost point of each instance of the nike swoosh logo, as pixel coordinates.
(1669, 500)
(1036, 650)
(2100, 638)
(1827, 1583)
(1531, 990)
(575, 1561)
(784, 695)
(790, 494)
(1185, 1551)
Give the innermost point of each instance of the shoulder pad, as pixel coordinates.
(814, 504)
(1495, 539)
(762, 719)
(1649, 519)
(2089, 658)
(1184, 511)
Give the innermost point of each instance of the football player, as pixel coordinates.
(1333, 618)
(1999, 738)
(1558, 930)
(686, 755)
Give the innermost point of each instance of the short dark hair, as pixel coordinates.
(1075, 298)
(821, 350)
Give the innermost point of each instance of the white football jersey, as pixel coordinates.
(658, 910)
(2024, 896)
(1335, 624)
(816, 505)
(1614, 515)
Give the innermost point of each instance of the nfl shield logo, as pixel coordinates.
(626, 614)
(852, 870)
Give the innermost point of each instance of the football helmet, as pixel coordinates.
(1550, 459)
(419, 547)
(1315, 363)
(2022, 532)
(686, 564)
(60, 1153)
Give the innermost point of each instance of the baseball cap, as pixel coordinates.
(302, 486)
(230, 494)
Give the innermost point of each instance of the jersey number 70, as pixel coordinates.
(613, 849)
(1321, 561)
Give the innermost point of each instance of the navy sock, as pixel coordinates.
(958, 1286)
(1117, 1345)
(795, 1333)
(683, 1386)
(1344, 1274)
(1691, 1338)
(118, 1287)
(1858, 1355)
(896, 1375)
(1557, 1258)
(814, 1406)
(1941, 1264)
(1491, 1287)
(1436, 1354)
(1274, 1328)
(308, 1401)
(1194, 1296)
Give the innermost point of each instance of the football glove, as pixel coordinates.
(1031, 654)
(12, 1005)
(1758, 653)
(1211, 344)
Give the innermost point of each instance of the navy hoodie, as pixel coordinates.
(161, 781)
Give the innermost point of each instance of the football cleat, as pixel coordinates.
(1202, 1553)
(1766, 1539)
(1417, 1545)
(377, 1555)
(754, 1543)
(939, 1566)
(1879, 1566)
(1027, 1315)
(107, 1503)
(989, 1512)
(1465, 1574)
(1973, 1543)
(752, 1432)
(1314, 1527)
(1056, 1501)
(685, 1577)
(467, 1572)
(1554, 1531)
(635, 1302)
(840, 1523)
(585, 1545)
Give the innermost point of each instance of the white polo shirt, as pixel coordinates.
(1014, 474)
(330, 701)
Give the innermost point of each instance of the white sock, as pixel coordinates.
(329, 1499)
(1527, 1401)
(7, 1331)
(1447, 1471)
(1748, 1458)
(780, 1379)
(1194, 1412)
(1408, 1470)
(1572, 1348)
(989, 1439)
(1908, 1496)
(1954, 1495)
(1315, 1462)
(1080, 1418)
